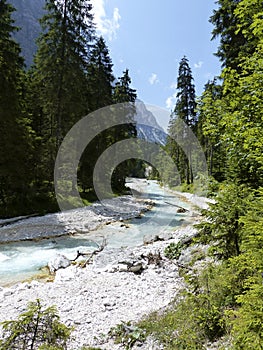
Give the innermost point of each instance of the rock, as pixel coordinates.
(8, 293)
(136, 268)
(181, 210)
(152, 239)
(59, 262)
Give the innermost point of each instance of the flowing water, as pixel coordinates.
(22, 260)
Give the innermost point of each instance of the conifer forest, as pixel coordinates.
(71, 75)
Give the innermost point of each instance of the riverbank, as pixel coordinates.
(104, 294)
(81, 220)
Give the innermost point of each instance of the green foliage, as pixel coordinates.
(16, 135)
(209, 110)
(187, 325)
(247, 321)
(182, 120)
(232, 42)
(222, 227)
(173, 250)
(36, 328)
(127, 335)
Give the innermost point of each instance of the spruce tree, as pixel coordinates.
(124, 93)
(100, 91)
(179, 144)
(209, 129)
(232, 27)
(225, 26)
(58, 79)
(100, 76)
(15, 137)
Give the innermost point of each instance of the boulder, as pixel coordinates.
(59, 262)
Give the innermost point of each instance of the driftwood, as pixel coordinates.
(79, 254)
(91, 255)
(178, 206)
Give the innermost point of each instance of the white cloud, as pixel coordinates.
(106, 26)
(173, 85)
(170, 102)
(153, 79)
(198, 65)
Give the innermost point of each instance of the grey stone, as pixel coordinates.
(59, 262)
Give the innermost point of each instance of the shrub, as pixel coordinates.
(127, 335)
(37, 328)
(173, 251)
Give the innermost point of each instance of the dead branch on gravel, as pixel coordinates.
(90, 255)
(95, 252)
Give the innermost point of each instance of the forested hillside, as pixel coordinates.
(70, 77)
(225, 300)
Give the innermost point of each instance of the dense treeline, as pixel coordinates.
(225, 300)
(71, 76)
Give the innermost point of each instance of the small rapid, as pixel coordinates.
(22, 260)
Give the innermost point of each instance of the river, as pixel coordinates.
(23, 259)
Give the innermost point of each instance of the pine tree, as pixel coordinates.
(100, 91)
(58, 79)
(232, 27)
(123, 93)
(209, 129)
(15, 137)
(37, 328)
(179, 144)
(225, 26)
(100, 76)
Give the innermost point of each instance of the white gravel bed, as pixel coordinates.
(99, 297)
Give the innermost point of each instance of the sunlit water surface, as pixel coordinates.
(22, 260)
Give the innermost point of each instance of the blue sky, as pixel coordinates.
(150, 37)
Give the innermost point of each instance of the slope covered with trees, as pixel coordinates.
(225, 301)
(71, 76)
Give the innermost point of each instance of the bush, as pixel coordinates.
(35, 329)
(127, 335)
(173, 251)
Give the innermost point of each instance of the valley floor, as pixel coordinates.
(102, 295)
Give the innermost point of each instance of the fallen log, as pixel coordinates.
(177, 206)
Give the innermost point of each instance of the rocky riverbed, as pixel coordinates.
(103, 294)
(107, 291)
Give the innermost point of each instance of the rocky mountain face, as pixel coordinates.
(147, 127)
(26, 16)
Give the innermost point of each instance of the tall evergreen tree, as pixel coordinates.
(124, 93)
(179, 144)
(232, 27)
(100, 94)
(209, 129)
(225, 26)
(15, 133)
(58, 80)
(100, 76)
